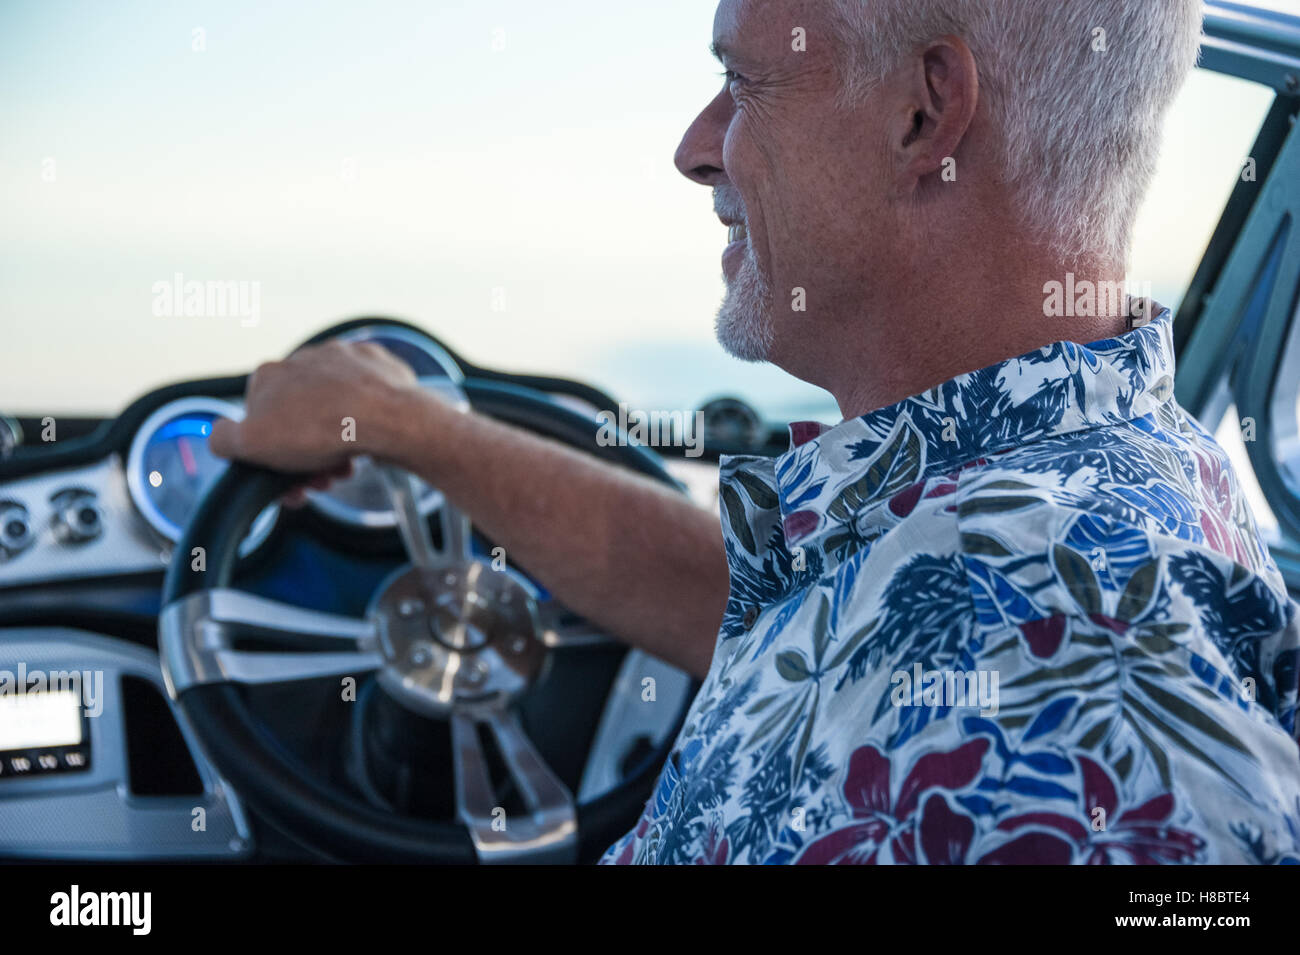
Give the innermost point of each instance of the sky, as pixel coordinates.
(497, 171)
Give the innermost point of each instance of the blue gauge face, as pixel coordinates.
(178, 468)
(170, 468)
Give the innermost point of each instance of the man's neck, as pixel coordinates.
(928, 332)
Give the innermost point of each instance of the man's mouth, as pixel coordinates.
(737, 233)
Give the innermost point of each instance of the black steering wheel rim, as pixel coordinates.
(273, 780)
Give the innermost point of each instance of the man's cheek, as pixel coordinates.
(733, 150)
(748, 151)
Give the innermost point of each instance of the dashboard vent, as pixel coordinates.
(158, 761)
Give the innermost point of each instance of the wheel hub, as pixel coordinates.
(456, 636)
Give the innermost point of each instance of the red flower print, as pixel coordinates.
(716, 846)
(1137, 836)
(888, 830)
(800, 524)
(1044, 636)
(904, 502)
(1217, 518)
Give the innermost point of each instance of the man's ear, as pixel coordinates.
(941, 94)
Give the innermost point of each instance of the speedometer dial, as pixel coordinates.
(170, 466)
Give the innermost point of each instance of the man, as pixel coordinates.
(1013, 609)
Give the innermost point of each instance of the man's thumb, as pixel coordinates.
(224, 440)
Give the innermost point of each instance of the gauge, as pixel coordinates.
(362, 500)
(170, 467)
(426, 358)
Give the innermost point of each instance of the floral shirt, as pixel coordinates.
(1025, 616)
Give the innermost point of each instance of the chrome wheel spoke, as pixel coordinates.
(403, 491)
(456, 534)
(548, 832)
(410, 522)
(201, 636)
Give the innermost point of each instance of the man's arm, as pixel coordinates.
(630, 555)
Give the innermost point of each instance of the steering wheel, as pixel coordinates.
(446, 636)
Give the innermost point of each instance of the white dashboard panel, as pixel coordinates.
(125, 545)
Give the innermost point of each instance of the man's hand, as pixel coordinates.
(630, 555)
(317, 409)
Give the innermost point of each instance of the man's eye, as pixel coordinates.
(732, 76)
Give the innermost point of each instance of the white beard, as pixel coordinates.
(744, 323)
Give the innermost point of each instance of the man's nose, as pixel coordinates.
(699, 157)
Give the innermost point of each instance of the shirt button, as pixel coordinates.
(751, 618)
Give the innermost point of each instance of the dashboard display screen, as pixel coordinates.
(40, 720)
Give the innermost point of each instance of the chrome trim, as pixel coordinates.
(549, 833)
(196, 637)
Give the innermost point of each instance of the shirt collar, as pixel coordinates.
(832, 474)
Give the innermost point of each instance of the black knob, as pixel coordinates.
(15, 529)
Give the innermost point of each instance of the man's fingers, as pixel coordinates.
(224, 439)
(320, 482)
(295, 499)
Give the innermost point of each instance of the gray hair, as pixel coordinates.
(1078, 88)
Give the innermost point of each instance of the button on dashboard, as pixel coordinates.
(77, 516)
(16, 533)
(19, 765)
(43, 762)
